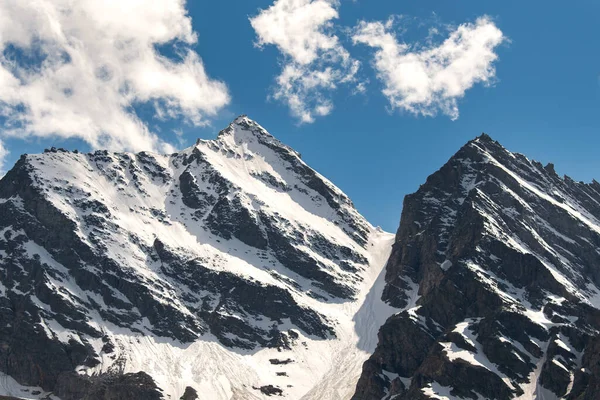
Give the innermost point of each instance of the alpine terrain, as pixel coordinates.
(232, 270)
(496, 266)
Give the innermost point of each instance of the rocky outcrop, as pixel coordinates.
(107, 387)
(103, 256)
(134, 276)
(496, 265)
(189, 394)
(229, 218)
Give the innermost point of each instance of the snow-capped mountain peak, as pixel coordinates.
(231, 253)
(496, 263)
(232, 270)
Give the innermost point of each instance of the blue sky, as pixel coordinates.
(544, 100)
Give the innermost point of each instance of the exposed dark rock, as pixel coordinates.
(300, 262)
(270, 390)
(140, 385)
(486, 244)
(191, 194)
(494, 269)
(231, 218)
(189, 394)
(276, 361)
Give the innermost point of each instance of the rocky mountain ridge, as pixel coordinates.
(232, 270)
(205, 269)
(495, 264)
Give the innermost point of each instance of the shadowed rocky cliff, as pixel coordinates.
(496, 265)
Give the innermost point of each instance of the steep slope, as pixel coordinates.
(230, 269)
(496, 266)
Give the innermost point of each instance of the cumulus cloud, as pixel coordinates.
(429, 79)
(315, 61)
(79, 68)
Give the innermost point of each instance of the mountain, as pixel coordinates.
(232, 270)
(229, 270)
(495, 269)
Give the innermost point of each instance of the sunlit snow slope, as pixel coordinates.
(497, 260)
(230, 269)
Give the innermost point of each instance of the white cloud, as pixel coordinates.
(429, 79)
(3, 154)
(77, 68)
(315, 62)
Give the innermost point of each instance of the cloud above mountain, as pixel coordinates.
(421, 79)
(429, 79)
(108, 72)
(315, 62)
(80, 68)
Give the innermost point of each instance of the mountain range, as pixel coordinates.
(232, 270)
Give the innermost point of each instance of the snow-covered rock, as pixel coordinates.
(505, 256)
(230, 269)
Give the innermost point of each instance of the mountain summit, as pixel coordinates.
(231, 268)
(495, 265)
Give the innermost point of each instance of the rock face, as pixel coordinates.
(145, 276)
(232, 270)
(496, 268)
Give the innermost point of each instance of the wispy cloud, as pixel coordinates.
(428, 79)
(315, 62)
(79, 69)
